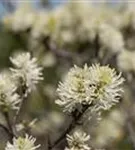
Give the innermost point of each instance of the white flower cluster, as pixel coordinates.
(27, 143)
(9, 99)
(96, 85)
(78, 141)
(26, 69)
(75, 90)
(110, 38)
(106, 86)
(78, 26)
(16, 21)
(26, 73)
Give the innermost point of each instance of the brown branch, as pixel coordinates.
(8, 121)
(17, 115)
(7, 131)
(22, 92)
(60, 53)
(19, 110)
(9, 128)
(70, 128)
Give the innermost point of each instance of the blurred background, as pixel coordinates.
(61, 33)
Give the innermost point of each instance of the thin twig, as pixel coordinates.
(8, 121)
(70, 128)
(19, 110)
(17, 115)
(22, 92)
(60, 53)
(23, 95)
(7, 131)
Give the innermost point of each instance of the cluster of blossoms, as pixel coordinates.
(75, 90)
(26, 70)
(16, 21)
(114, 29)
(9, 99)
(25, 75)
(22, 78)
(96, 85)
(78, 141)
(79, 26)
(23, 143)
(111, 38)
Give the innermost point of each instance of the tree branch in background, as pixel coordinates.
(60, 53)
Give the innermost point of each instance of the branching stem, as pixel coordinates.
(70, 127)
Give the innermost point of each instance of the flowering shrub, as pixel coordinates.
(95, 87)
(84, 47)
